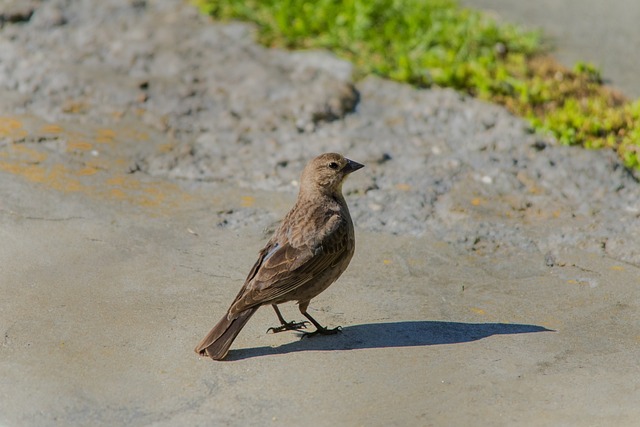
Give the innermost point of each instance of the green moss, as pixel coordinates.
(427, 42)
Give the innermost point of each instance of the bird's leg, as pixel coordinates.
(319, 328)
(286, 326)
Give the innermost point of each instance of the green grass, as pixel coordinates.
(435, 42)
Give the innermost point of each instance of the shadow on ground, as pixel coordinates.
(393, 334)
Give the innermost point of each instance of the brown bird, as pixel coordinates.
(310, 249)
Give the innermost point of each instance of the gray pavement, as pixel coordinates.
(102, 310)
(605, 33)
(495, 280)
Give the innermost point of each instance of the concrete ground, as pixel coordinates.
(104, 300)
(528, 316)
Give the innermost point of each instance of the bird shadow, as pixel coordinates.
(393, 334)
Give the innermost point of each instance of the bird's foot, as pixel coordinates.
(322, 331)
(288, 326)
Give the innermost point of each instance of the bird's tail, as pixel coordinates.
(217, 342)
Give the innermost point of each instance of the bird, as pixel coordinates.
(309, 250)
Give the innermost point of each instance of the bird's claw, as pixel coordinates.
(322, 331)
(289, 326)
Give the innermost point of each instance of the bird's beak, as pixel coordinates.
(351, 166)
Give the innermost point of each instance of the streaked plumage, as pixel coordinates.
(307, 253)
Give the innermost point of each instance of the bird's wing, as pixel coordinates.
(282, 269)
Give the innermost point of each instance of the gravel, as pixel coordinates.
(438, 163)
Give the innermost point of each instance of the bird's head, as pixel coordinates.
(326, 173)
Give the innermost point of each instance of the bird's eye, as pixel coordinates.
(333, 165)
